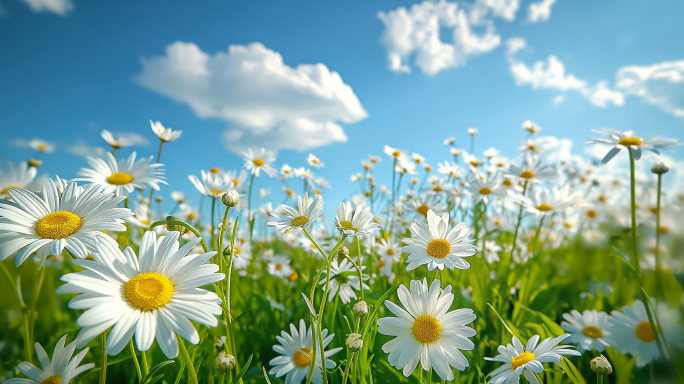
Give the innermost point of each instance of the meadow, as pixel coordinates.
(481, 269)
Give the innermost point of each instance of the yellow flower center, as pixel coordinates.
(191, 216)
(119, 178)
(497, 223)
(294, 276)
(54, 379)
(278, 267)
(300, 359)
(215, 192)
(148, 291)
(423, 210)
(58, 225)
(258, 162)
(544, 207)
(627, 141)
(593, 332)
(396, 153)
(527, 174)
(426, 329)
(439, 248)
(485, 191)
(644, 332)
(4, 191)
(474, 163)
(522, 359)
(346, 224)
(381, 264)
(237, 250)
(299, 221)
(390, 251)
(507, 183)
(214, 170)
(591, 214)
(532, 147)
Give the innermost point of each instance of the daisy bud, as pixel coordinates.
(601, 365)
(659, 168)
(159, 199)
(34, 163)
(224, 362)
(173, 223)
(230, 198)
(455, 151)
(354, 342)
(360, 309)
(343, 253)
(220, 343)
(472, 131)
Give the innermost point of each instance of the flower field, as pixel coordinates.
(482, 269)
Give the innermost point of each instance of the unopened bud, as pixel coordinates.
(34, 163)
(159, 199)
(659, 168)
(220, 343)
(342, 253)
(173, 223)
(354, 342)
(231, 198)
(360, 309)
(601, 365)
(225, 362)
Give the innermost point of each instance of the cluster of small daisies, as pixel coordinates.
(139, 274)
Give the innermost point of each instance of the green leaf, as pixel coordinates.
(150, 375)
(268, 381)
(572, 372)
(242, 371)
(502, 321)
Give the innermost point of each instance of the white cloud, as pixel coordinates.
(540, 11)
(415, 33)
(559, 99)
(60, 7)
(659, 84)
(131, 137)
(80, 148)
(266, 102)
(514, 44)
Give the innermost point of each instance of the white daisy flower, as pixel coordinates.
(237, 179)
(536, 146)
(314, 161)
(484, 189)
(426, 331)
(449, 140)
(451, 170)
(143, 216)
(307, 211)
(295, 349)
(123, 176)
(243, 255)
(21, 176)
(115, 143)
(357, 222)
(153, 295)
(178, 196)
(259, 160)
(385, 267)
(53, 221)
(633, 333)
(394, 152)
(531, 127)
(60, 370)
(630, 141)
(279, 266)
(344, 278)
(519, 359)
(543, 201)
(388, 249)
(589, 329)
(211, 185)
(532, 170)
(472, 162)
(422, 204)
(286, 171)
(42, 145)
(405, 166)
(491, 251)
(164, 134)
(437, 246)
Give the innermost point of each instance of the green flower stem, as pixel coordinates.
(658, 267)
(103, 361)
(192, 375)
(135, 360)
(249, 207)
(599, 379)
(517, 226)
(28, 355)
(346, 369)
(213, 210)
(145, 366)
(185, 225)
(358, 248)
(161, 144)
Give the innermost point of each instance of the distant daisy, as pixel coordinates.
(472, 131)
(450, 170)
(630, 141)
(426, 332)
(307, 211)
(243, 255)
(286, 171)
(543, 201)
(388, 249)
(314, 161)
(589, 329)
(357, 222)
(279, 266)
(471, 161)
(437, 246)
(295, 349)
(235, 178)
(422, 204)
(449, 140)
(259, 160)
(527, 360)
(482, 190)
(152, 295)
(491, 251)
(54, 220)
(344, 278)
(531, 127)
(113, 142)
(532, 170)
(394, 152)
(20, 176)
(123, 176)
(41, 145)
(164, 134)
(60, 370)
(211, 185)
(491, 153)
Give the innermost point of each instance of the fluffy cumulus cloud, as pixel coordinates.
(416, 33)
(540, 11)
(659, 84)
(82, 149)
(60, 7)
(265, 102)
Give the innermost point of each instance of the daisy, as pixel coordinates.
(123, 176)
(143, 216)
(307, 211)
(425, 331)
(484, 189)
(238, 180)
(211, 185)
(41, 145)
(164, 134)
(500, 162)
(418, 158)
(491, 251)
(178, 197)
(633, 333)
(491, 153)
(21, 176)
(115, 143)
(258, 160)
(532, 170)
(394, 152)
(286, 171)
(629, 140)
(472, 131)
(422, 204)
(153, 295)
(449, 140)
(295, 349)
(355, 223)
(451, 170)
(405, 166)
(531, 127)
(279, 266)
(344, 278)
(544, 202)
(243, 254)
(437, 246)
(534, 146)
(519, 359)
(314, 161)
(472, 162)
(589, 329)
(388, 249)
(54, 220)
(60, 370)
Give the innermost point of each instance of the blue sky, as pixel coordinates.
(72, 68)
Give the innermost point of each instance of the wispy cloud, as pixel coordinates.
(60, 7)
